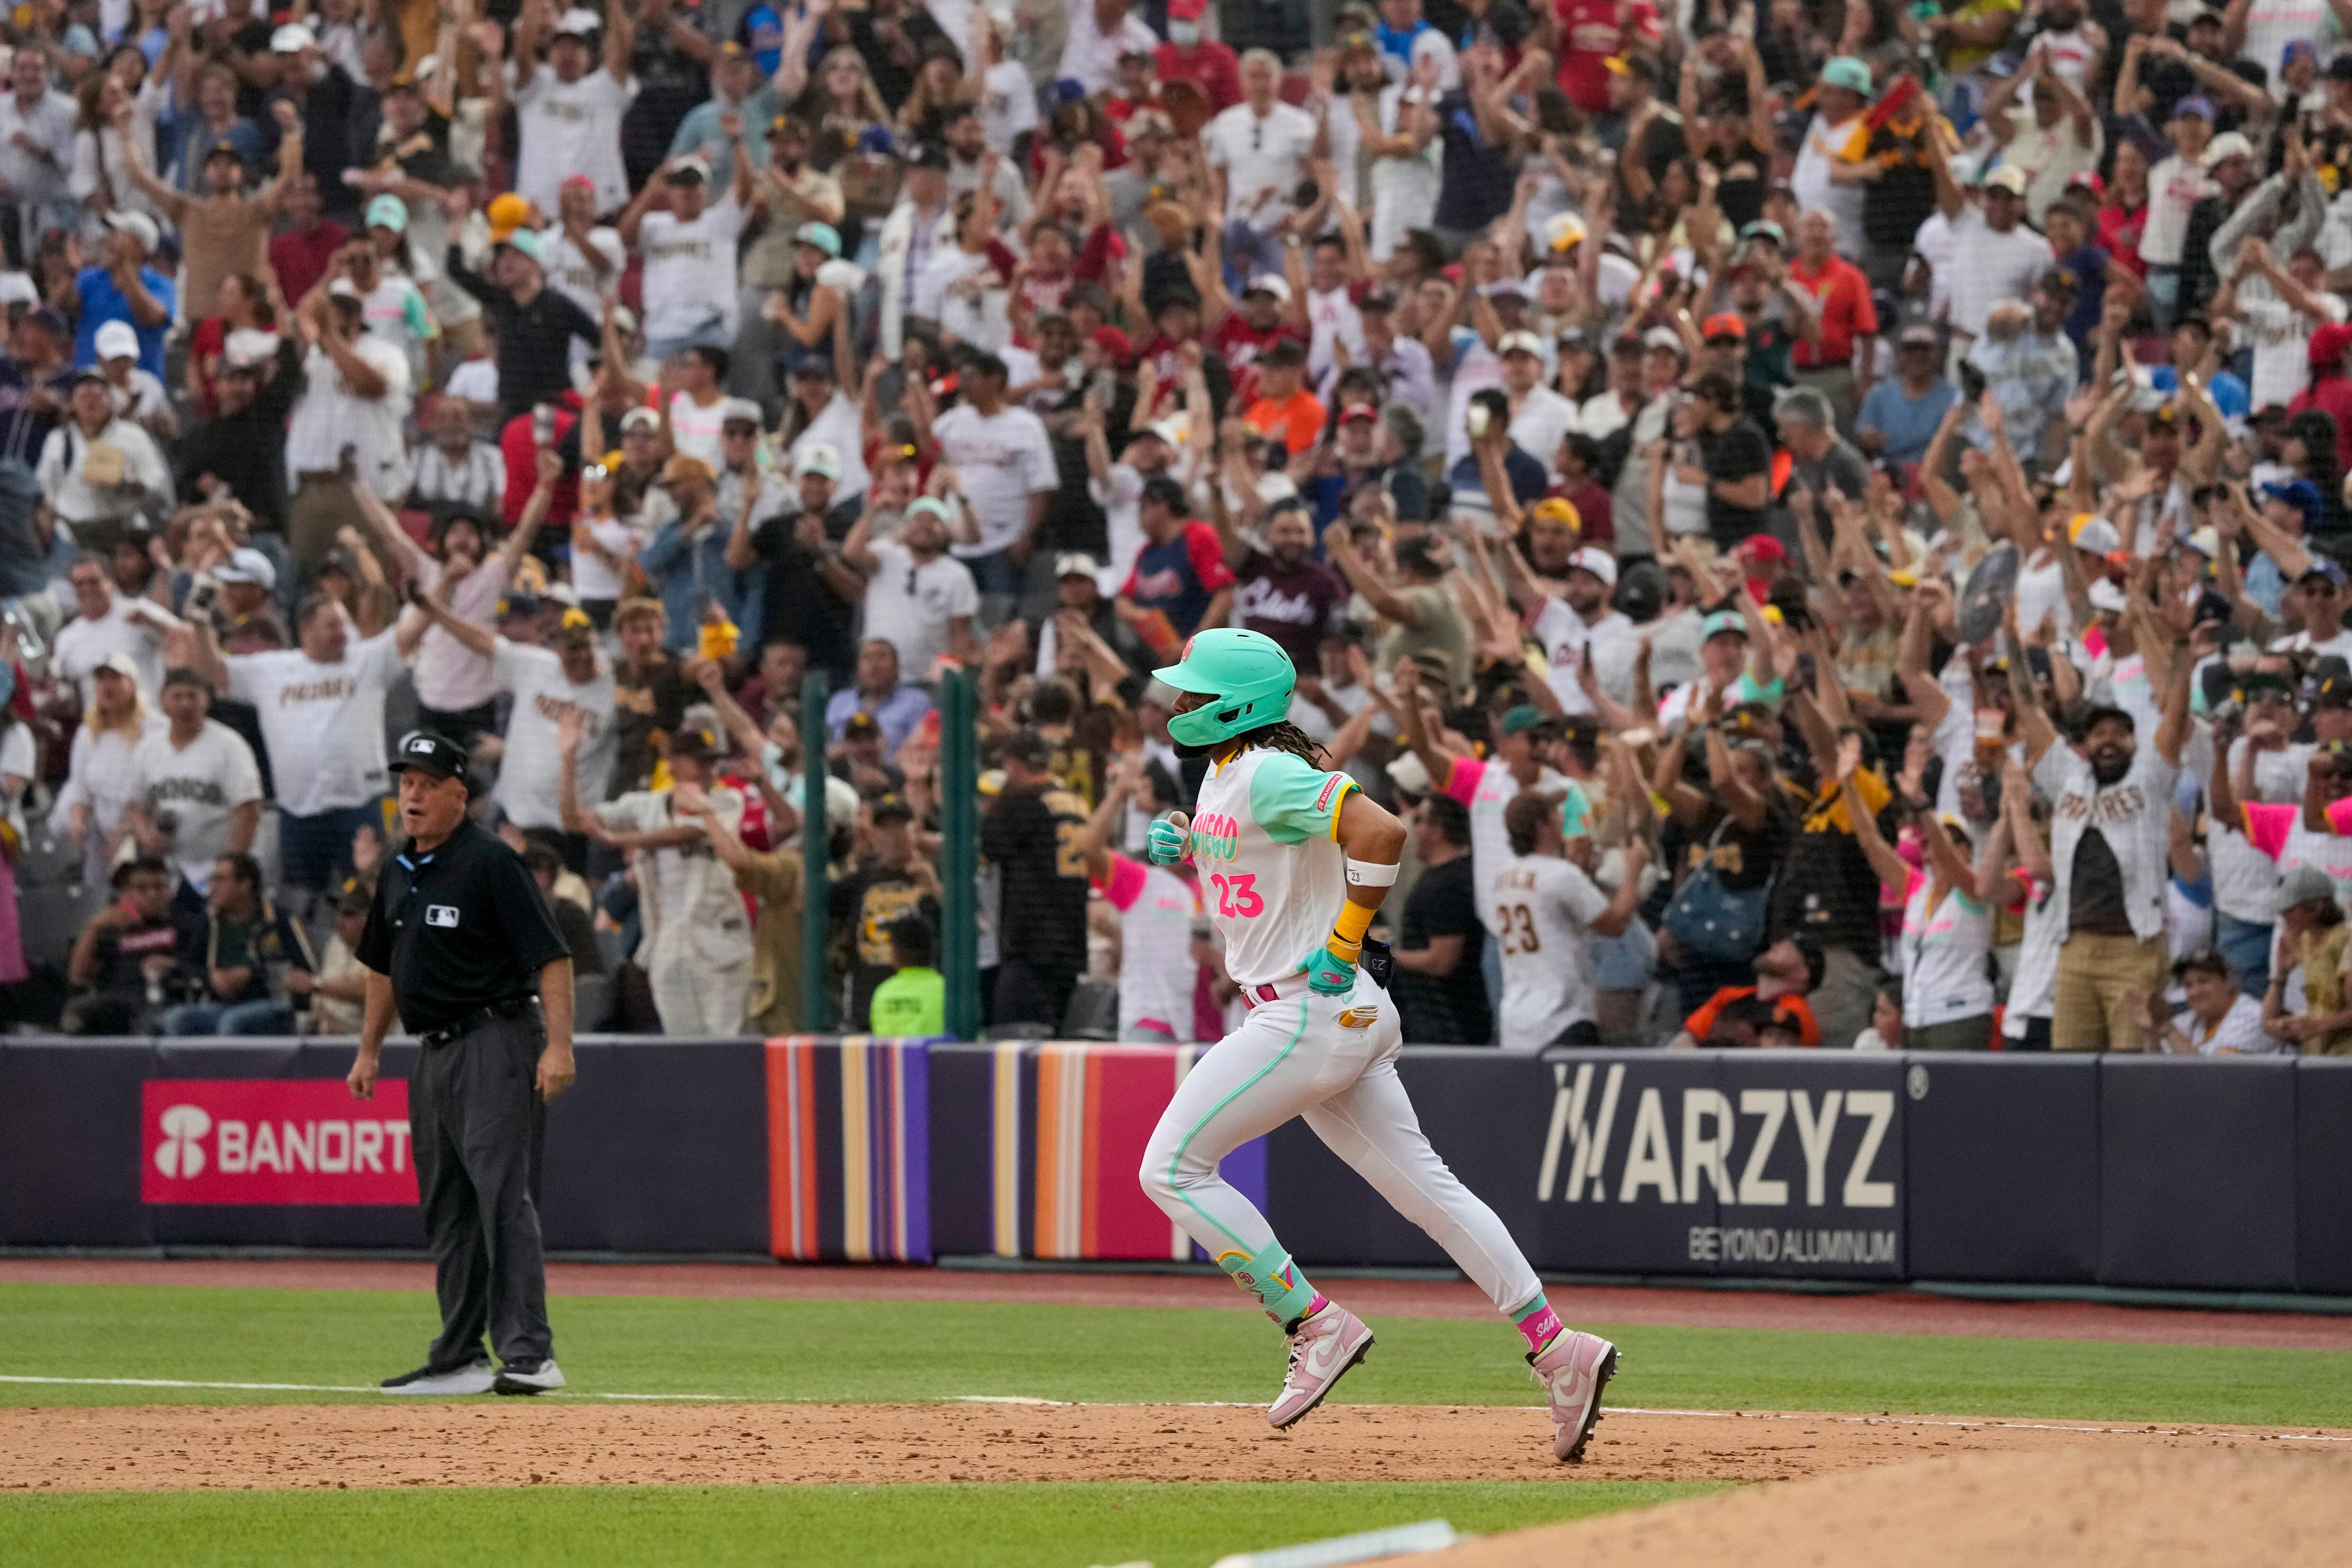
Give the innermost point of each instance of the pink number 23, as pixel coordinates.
(1236, 899)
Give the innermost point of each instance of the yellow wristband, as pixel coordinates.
(1354, 919)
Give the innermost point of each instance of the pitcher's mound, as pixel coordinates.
(2147, 1507)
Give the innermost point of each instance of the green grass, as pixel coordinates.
(897, 1350)
(1044, 1525)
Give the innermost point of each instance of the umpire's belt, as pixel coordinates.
(449, 1034)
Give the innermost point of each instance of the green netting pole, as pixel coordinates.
(816, 922)
(960, 854)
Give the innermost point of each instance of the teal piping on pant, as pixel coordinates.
(1176, 1159)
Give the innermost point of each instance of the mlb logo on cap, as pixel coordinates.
(430, 753)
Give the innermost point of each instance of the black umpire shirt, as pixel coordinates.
(458, 928)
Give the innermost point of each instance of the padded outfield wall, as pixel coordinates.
(2028, 1170)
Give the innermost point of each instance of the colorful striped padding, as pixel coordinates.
(849, 1148)
(1070, 1123)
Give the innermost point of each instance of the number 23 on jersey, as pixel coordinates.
(1237, 897)
(1521, 940)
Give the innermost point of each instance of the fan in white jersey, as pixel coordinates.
(1294, 861)
(1485, 786)
(568, 117)
(199, 776)
(2216, 1019)
(2034, 984)
(1157, 978)
(566, 681)
(1545, 914)
(1946, 941)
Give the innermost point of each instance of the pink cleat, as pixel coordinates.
(1574, 1368)
(1325, 1346)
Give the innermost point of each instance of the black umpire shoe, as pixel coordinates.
(475, 1378)
(528, 1377)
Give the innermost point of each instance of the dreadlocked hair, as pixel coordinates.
(1287, 737)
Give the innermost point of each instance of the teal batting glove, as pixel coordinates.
(1165, 842)
(1328, 974)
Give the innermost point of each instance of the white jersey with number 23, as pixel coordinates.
(1543, 908)
(1265, 844)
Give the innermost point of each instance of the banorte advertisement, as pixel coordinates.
(274, 1141)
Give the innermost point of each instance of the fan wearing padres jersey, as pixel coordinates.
(1158, 979)
(1486, 786)
(458, 939)
(1546, 912)
(1293, 862)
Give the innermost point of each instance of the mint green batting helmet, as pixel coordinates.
(1248, 671)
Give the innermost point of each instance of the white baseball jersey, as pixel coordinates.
(1484, 788)
(1157, 976)
(1542, 910)
(1943, 956)
(1265, 844)
(1565, 636)
(323, 723)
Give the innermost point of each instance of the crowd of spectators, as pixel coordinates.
(1829, 520)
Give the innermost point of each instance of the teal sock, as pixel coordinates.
(1537, 1321)
(1274, 1279)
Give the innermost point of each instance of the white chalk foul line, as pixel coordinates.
(183, 1383)
(317, 1387)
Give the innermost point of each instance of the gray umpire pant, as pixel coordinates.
(476, 1122)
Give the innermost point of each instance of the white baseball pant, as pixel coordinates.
(1291, 1057)
(691, 998)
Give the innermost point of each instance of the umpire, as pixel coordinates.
(458, 940)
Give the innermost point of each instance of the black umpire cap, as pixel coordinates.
(430, 753)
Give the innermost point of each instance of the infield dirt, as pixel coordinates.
(488, 1443)
(2148, 1506)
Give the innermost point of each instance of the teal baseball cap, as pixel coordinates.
(823, 235)
(1524, 717)
(1849, 73)
(527, 241)
(1723, 621)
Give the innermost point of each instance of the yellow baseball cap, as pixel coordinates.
(1559, 509)
(506, 214)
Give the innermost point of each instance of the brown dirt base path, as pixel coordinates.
(2146, 1506)
(513, 1443)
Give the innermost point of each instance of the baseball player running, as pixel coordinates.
(1293, 861)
